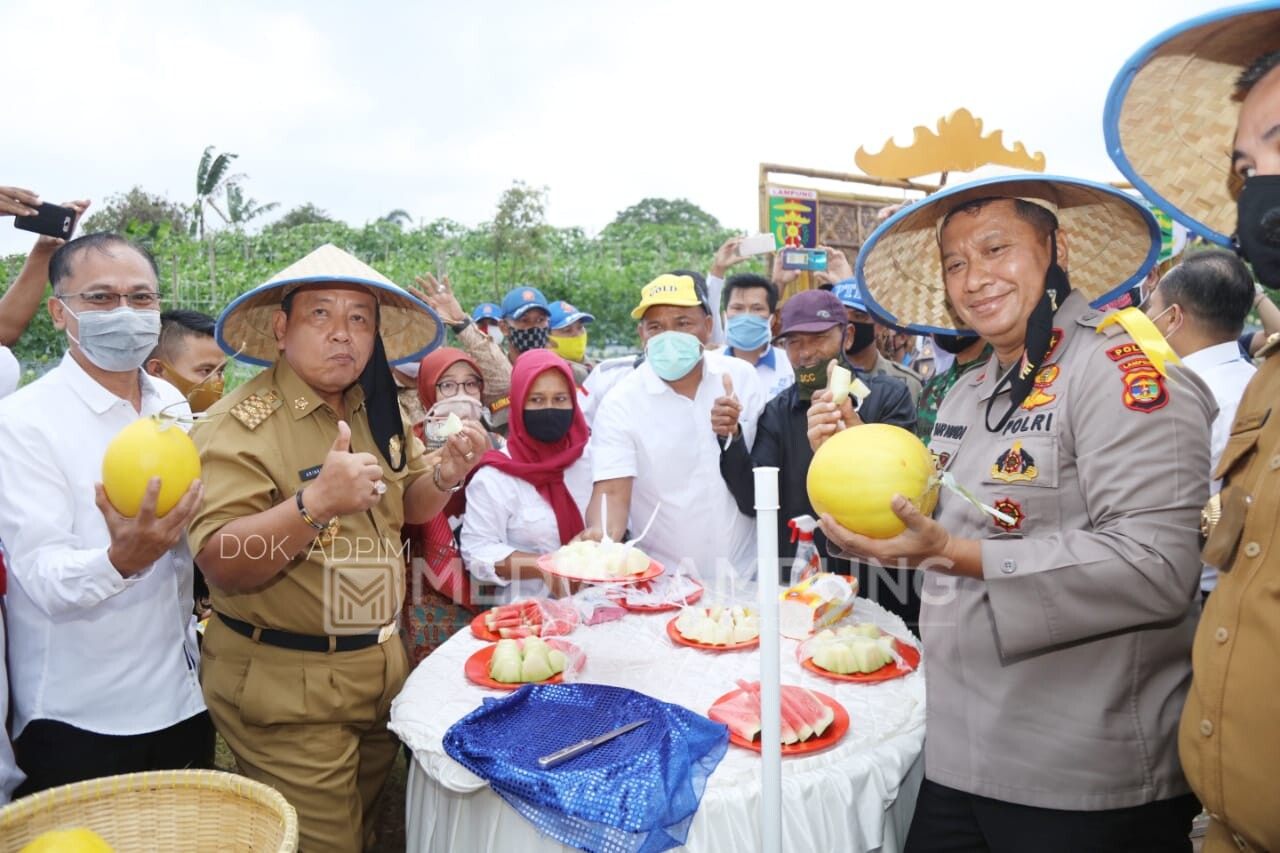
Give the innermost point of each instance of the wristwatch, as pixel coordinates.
(459, 327)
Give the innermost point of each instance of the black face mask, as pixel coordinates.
(1258, 227)
(954, 344)
(548, 425)
(864, 335)
(526, 339)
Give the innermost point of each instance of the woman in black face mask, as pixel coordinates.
(527, 500)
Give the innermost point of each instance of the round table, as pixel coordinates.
(856, 796)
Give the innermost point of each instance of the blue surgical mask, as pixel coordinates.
(672, 355)
(118, 340)
(747, 332)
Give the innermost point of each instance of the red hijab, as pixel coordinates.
(433, 366)
(538, 463)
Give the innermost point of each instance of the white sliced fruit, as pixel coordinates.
(838, 383)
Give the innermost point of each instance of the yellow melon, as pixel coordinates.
(149, 447)
(856, 473)
(68, 841)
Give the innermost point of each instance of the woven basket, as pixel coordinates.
(190, 810)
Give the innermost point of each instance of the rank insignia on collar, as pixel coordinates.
(256, 408)
(1040, 395)
(1144, 390)
(1015, 465)
(1055, 338)
(1012, 509)
(942, 460)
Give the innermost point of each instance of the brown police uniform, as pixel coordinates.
(310, 723)
(1230, 734)
(1056, 680)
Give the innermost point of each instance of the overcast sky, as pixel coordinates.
(436, 107)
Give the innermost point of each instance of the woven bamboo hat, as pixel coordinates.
(409, 329)
(1170, 117)
(1114, 241)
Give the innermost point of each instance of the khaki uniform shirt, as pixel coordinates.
(885, 367)
(258, 446)
(1057, 680)
(1230, 735)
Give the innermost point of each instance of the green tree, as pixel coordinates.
(212, 179)
(398, 217)
(665, 211)
(304, 214)
(241, 210)
(136, 210)
(518, 233)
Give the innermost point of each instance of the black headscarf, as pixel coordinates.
(1020, 378)
(382, 403)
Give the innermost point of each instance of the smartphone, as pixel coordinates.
(804, 259)
(757, 245)
(51, 220)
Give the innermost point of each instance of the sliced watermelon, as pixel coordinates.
(751, 690)
(819, 715)
(793, 715)
(740, 714)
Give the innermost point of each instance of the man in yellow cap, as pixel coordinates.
(313, 474)
(657, 438)
(1192, 119)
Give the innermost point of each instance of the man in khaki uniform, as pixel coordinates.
(1224, 72)
(313, 473)
(1056, 636)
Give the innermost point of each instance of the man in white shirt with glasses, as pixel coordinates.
(103, 664)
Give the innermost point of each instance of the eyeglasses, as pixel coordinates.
(448, 388)
(107, 300)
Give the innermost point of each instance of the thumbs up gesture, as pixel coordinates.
(726, 410)
(348, 482)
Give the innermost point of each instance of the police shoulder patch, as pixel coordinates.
(256, 408)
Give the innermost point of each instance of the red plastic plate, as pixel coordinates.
(828, 739)
(681, 639)
(888, 672)
(477, 667)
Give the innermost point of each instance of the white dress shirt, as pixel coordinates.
(506, 514)
(88, 647)
(663, 440)
(774, 369)
(10, 776)
(1226, 373)
(10, 372)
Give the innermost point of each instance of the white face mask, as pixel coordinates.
(118, 340)
(1169, 334)
(495, 332)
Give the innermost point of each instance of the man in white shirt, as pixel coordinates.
(103, 669)
(655, 444)
(1200, 306)
(750, 302)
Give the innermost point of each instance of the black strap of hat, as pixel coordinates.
(1020, 378)
(383, 405)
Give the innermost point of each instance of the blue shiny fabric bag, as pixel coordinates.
(636, 793)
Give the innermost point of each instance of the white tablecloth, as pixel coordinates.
(856, 796)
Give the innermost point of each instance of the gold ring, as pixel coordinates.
(380, 487)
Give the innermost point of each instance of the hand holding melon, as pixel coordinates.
(878, 482)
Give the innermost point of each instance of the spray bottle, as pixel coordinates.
(807, 561)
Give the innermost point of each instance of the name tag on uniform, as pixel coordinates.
(309, 473)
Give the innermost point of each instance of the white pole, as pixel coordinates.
(766, 482)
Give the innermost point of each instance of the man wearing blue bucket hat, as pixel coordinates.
(313, 473)
(1193, 119)
(1057, 619)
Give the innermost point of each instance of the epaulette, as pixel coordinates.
(1271, 347)
(256, 408)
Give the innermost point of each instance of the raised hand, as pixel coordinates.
(439, 295)
(15, 201)
(726, 410)
(726, 257)
(348, 482)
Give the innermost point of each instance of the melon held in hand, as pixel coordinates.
(153, 446)
(856, 473)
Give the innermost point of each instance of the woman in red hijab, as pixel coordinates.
(527, 500)
(440, 599)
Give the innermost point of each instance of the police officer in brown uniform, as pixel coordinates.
(312, 474)
(1193, 121)
(1057, 635)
